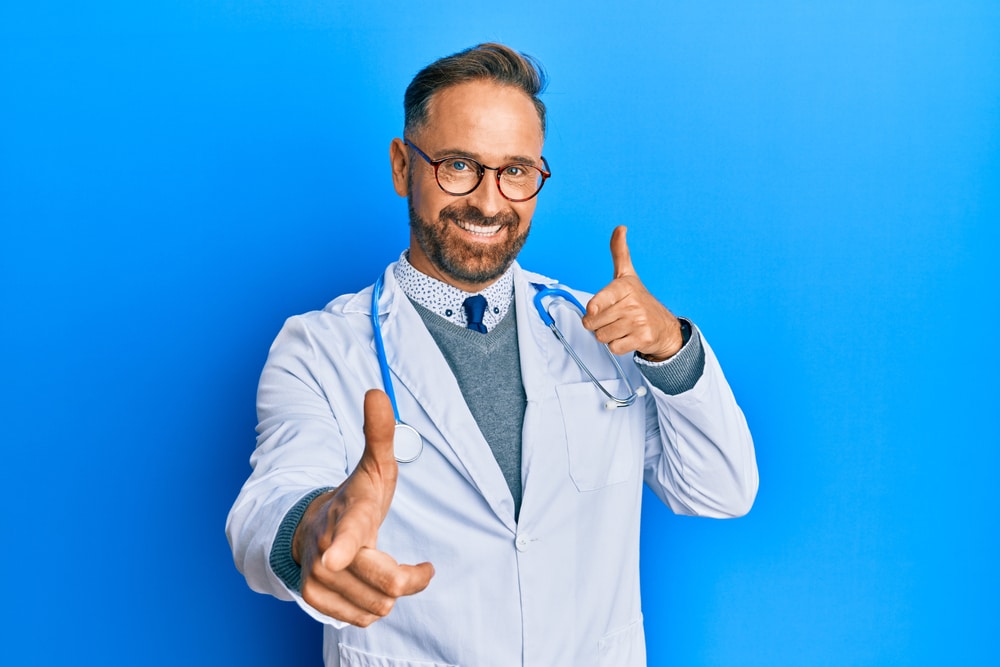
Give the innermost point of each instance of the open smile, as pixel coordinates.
(478, 230)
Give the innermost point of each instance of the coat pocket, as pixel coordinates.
(599, 441)
(625, 647)
(352, 657)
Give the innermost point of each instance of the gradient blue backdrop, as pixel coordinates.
(816, 184)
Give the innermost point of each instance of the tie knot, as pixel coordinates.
(474, 307)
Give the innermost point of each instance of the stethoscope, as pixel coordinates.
(408, 444)
(613, 401)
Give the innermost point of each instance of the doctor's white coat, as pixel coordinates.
(558, 587)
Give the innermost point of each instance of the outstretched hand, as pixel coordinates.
(343, 574)
(626, 317)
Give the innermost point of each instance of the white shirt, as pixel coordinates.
(446, 300)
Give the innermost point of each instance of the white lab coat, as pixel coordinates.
(560, 586)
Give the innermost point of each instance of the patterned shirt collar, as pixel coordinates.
(446, 300)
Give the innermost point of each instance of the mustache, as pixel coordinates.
(471, 215)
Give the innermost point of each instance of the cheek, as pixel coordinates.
(426, 201)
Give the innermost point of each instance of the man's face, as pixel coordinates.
(468, 241)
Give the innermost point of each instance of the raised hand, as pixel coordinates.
(626, 316)
(343, 574)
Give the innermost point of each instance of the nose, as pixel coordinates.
(487, 197)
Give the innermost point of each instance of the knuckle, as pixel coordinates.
(363, 620)
(395, 585)
(308, 592)
(383, 606)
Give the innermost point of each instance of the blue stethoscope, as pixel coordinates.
(408, 444)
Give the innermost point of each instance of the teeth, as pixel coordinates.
(479, 230)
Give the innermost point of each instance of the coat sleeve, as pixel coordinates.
(699, 455)
(300, 448)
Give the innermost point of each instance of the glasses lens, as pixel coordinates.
(520, 181)
(459, 176)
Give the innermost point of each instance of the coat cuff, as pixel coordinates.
(280, 559)
(680, 372)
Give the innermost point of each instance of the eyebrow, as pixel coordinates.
(510, 159)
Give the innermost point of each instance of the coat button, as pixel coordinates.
(521, 543)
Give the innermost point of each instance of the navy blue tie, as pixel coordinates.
(475, 306)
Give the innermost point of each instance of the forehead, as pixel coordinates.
(483, 117)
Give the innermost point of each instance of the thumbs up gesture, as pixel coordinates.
(343, 574)
(626, 317)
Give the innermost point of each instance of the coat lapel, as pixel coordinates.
(429, 399)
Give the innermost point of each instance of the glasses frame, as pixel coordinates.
(481, 169)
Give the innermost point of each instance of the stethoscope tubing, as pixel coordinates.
(407, 444)
(407, 437)
(613, 401)
(383, 362)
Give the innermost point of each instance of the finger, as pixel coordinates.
(658, 340)
(625, 345)
(330, 599)
(349, 597)
(379, 428)
(355, 590)
(600, 308)
(379, 460)
(620, 255)
(380, 571)
(612, 332)
(357, 527)
(368, 492)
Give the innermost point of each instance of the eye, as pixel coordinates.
(518, 172)
(458, 165)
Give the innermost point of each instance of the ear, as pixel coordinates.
(399, 158)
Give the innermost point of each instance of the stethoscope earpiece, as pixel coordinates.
(618, 403)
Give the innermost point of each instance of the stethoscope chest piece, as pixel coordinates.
(406, 443)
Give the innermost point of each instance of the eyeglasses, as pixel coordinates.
(459, 176)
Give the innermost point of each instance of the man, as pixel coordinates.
(512, 538)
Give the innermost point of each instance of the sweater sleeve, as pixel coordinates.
(282, 563)
(680, 372)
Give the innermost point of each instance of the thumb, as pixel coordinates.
(379, 428)
(379, 459)
(369, 489)
(620, 255)
(378, 462)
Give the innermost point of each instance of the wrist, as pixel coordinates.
(301, 534)
(680, 333)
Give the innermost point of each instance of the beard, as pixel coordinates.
(474, 263)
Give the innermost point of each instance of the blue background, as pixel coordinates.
(817, 185)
